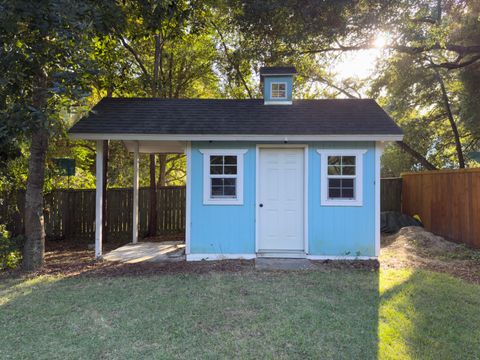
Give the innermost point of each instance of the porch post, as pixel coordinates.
(99, 200)
(379, 146)
(135, 194)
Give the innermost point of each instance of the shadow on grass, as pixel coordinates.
(325, 314)
(427, 315)
(329, 314)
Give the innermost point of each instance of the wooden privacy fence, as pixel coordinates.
(391, 194)
(447, 201)
(71, 213)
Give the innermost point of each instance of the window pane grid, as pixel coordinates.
(223, 176)
(341, 175)
(341, 188)
(278, 90)
(224, 187)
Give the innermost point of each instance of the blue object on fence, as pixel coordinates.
(475, 155)
(65, 166)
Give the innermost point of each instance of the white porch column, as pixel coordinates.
(188, 204)
(379, 146)
(99, 200)
(135, 194)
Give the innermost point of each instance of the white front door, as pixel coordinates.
(281, 201)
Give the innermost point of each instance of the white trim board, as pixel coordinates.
(358, 190)
(99, 200)
(213, 257)
(235, 137)
(207, 199)
(188, 200)
(280, 97)
(378, 156)
(277, 102)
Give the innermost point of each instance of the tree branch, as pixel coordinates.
(448, 109)
(459, 49)
(457, 64)
(343, 91)
(135, 55)
(416, 155)
(237, 67)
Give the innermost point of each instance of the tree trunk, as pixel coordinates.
(156, 64)
(453, 124)
(162, 162)
(104, 190)
(415, 154)
(34, 248)
(152, 224)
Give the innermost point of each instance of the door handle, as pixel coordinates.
(261, 205)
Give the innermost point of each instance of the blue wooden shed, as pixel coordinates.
(271, 177)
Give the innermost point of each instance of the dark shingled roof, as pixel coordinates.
(242, 117)
(277, 70)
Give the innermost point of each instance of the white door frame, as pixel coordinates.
(305, 188)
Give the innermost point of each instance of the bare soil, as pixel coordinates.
(411, 247)
(414, 247)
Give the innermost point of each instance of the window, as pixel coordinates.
(278, 90)
(341, 177)
(223, 177)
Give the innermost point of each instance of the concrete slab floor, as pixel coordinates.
(148, 252)
(283, 264)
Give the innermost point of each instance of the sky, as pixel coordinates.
(360, 63)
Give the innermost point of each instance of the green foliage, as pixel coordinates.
(10, 249)
(407, 82)
(213, 49)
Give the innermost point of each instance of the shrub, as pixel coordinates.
(10, 249)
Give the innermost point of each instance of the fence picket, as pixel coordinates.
(71, 213)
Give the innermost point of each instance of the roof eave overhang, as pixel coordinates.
(236, 137)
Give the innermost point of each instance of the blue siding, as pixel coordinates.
(342, 230)
(223, 229)
(267, 88)
(332, 230)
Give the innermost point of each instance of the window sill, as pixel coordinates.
(341, 203)
(223, 202)
(278, 102)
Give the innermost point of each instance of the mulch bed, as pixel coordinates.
(75, 259)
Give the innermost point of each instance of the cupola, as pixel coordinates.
(277, 84)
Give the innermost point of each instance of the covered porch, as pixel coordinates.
(148, 252)
(137, 250)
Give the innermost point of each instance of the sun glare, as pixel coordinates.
(360, 64)
(380, 40)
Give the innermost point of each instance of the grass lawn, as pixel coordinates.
(333, 314)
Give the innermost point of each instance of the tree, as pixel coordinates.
(172, 58)
(433, 45)
(44, 67)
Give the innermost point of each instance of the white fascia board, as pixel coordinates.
(240, 137)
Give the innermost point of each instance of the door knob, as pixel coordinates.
(261, 205)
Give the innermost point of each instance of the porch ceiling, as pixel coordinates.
(157, 147)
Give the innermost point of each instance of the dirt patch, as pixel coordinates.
(75, 259)
(411, 247)
(371, 265)
(415, 247)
